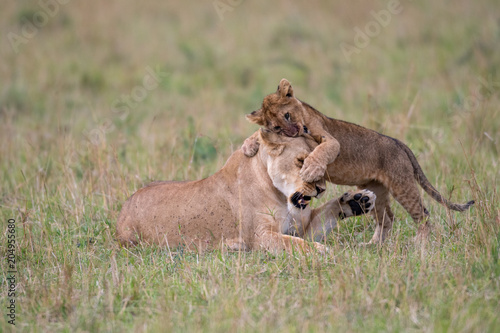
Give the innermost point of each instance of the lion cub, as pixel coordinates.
(351, 155)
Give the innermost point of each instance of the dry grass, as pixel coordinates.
(70, 156)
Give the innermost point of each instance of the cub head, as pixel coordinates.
(284, 157)
(281, 112)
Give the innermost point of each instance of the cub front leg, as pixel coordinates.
(251, 145)
(315, 164)
(325, 217)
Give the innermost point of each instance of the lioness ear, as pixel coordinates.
(256, 117)
(269, 140)
(285, 89)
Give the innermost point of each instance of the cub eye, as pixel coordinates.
(287, 116)
(277, 128)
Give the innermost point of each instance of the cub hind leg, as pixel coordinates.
(408, 195)
(382, 212)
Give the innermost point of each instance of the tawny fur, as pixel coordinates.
(351, 155)
(240, 206)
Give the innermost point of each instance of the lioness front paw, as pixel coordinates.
(250, 147)
(312, 171)
(360, 202)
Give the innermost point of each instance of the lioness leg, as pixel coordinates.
(324, 218)
(236, 244)
(275, 242)
(407, 194)
(382, 213)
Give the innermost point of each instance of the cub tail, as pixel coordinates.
(427, 186)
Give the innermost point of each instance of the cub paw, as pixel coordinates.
(250, 147)
(312, 171)
(359, 202)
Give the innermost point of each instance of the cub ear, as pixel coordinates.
(271, 142)
(285, 89)
(256, 117)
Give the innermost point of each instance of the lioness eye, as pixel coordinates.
(300, 162)
(277, 128)
(287, 116)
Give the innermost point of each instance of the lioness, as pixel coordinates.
(351, 155)
(248, 204)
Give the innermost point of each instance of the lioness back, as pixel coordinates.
(162, 213)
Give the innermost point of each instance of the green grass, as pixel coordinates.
(68, 160)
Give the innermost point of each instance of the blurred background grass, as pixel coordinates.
(72, 149)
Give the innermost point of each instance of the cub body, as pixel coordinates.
(351, 155)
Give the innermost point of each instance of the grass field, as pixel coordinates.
(98, 98)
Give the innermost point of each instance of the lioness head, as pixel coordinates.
(281, 112)
(285, 157)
